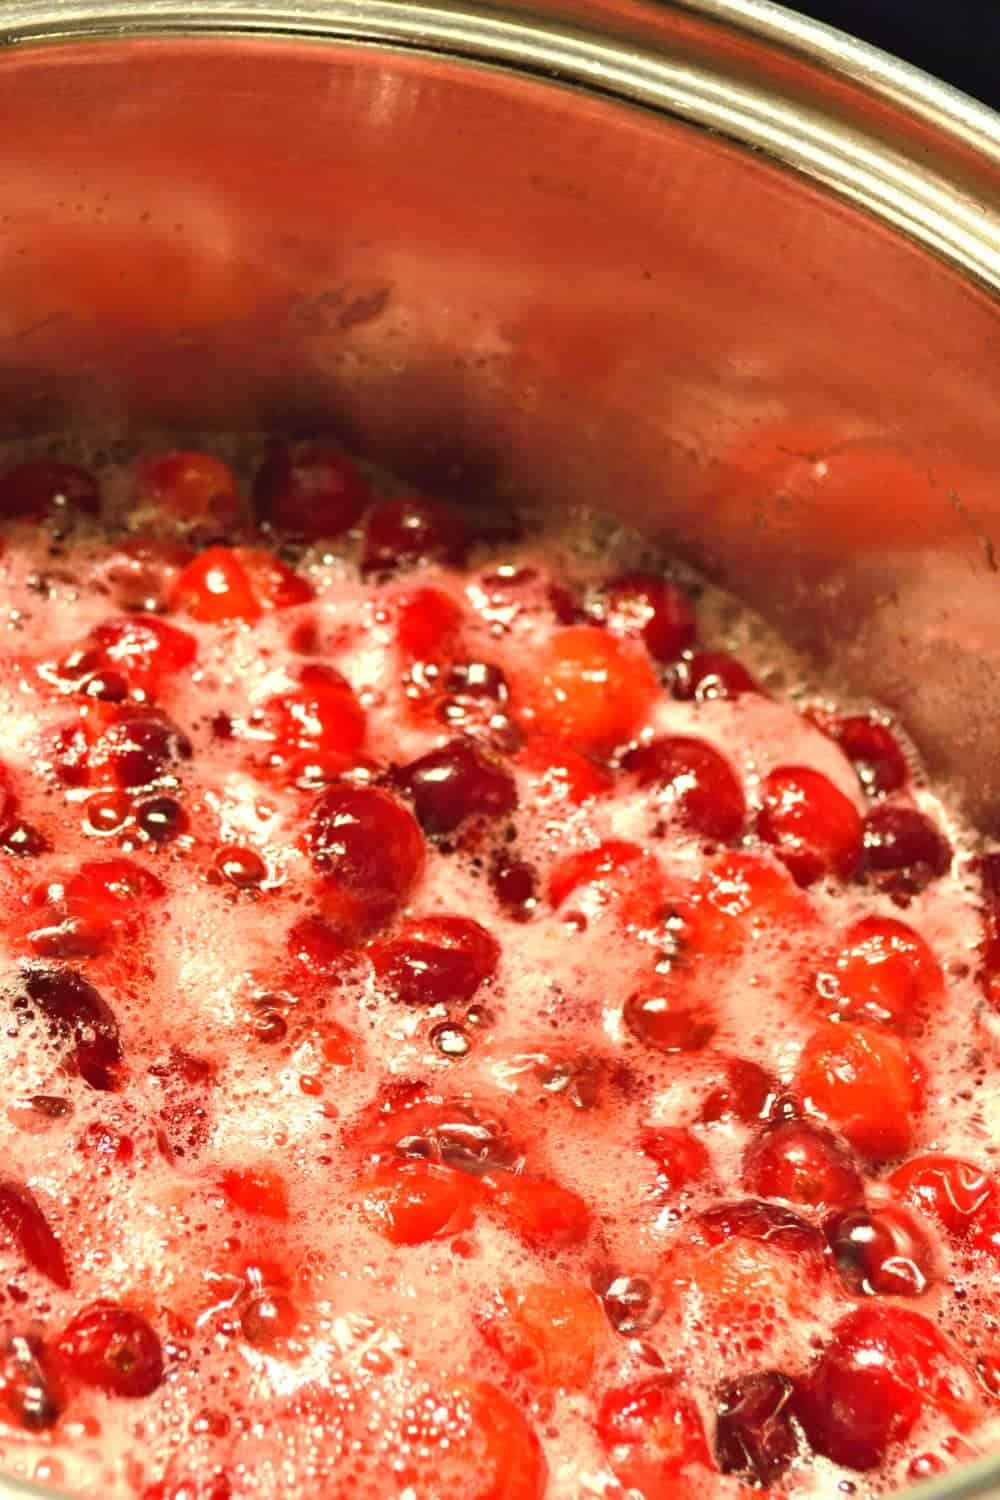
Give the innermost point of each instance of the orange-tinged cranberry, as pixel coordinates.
(539, 1211)
(256, 1190)
(552, 1331)
(587, 687)
(216, 589)
(410, 1202)
(864, 1082)
(654, 1438)
(189, 487)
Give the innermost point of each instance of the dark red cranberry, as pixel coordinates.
(138, 751)
(755, 1433)
(240, 866)
(652, 1433)
(267, 1319)
(666, 1016)
(769, 1223)
(680, 1157)
(629, 1301)
(805, 1164)
(874, 752)
(436, 961)
(457, 782)
(75, 1010)
(29, 1389)
(24, 841)
(660, 612)
(707, 675)
(113, 1349)
(161, 819)
(881, 1252)
(815, 830)
(402, 533)
(43, 487)
(310, 488)
(370, 853)
(900, 843)
(745, 1092)
(515, 885)
(701, 786)
(449, 1133)
(22, 1220)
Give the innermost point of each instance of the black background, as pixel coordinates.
(958, 40)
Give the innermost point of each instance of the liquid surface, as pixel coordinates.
(479, 1022)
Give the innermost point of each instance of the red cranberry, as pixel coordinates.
(755, 1434)
(515, 885)
(113, 1349)
(881, 1252)
(74, 1009)
(401, 533)
(697, 781)
(680, 1157)
(24, 841)
(630, 1302)
(436, 961)
(805, 1164)
(161, 819)
(241, 867)
(318, 720)
(138, 751)
(884, 1367)
(457, 782)
(427, 626)
(885, 973)
(189, 487)
(952, 1192)
(814, 828)
(652, 1433)
(668, 1017)
(43, 487)
(708, 675)
(370, 853)
(23, 1221)
(874, 752)
(745, 1093)
(146, 651)
(658, 611)
(310, 488)
(316, 944)
(27, 1385)
(899, 842)
(267, 1319)
(768, 1223)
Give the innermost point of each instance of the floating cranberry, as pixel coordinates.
(708, 675)
(240, 866)
(952, 1192)
(815, 830)
(874, 752)
(617, 873)
(515, 885)
(428, 625)
(455, 783)
(138, 751)
(542, 1213)
(402, 533)
(113, 1349)
(803, 1163)
(884, 1368)
(755, 1433)
(866, 1083)
(42, 487)
(696, 782)
(903, 845)
(885, 973)
(146, 651)
(311, 489)
(560, 773)
(22, 1220)
(642, 604)
(24, 841)
(652, 1433)
(669, 1017)
(274, 584)
(411, 1202)
(316, 944)
(450, 1132)
(680, 1157)
(745, 1092)
(215, 588)
(75, 1010)
(881, 1252)
(320, 717)
(770, 1224)
(257, 1190)
(267, 1319)
(369, 851)
(586, 688)
(189, 487)
(438, 960)
(28, 1387)
(630, 1302)
(161, 819)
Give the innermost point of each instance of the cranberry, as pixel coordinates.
(22, 1219)
(316, 945)
(866, 1083)
(560, 773)
(457, 782)
(74, 1009)
(708, 675)
(680, 1157)
(189, 487)
(755, 1434)
(766, 1223)
(27, 1384)
(745, 1093)
(370, 853)
(309, 488)
(542, 1213)
(436, 961)
(615, 873)
(642, 604)
(257, 1190)
(320, 718)
(161, 819)
(883, 1369)
(273, 583)
(267, 1319)
(450, 1132)
(952, 1192)
(241, 867)
(815, 830)
(586, 688)
(885, 973)
(139, 750)
(696, 781)
(428, 625)
(803, 1163)
(113, 1349)
(43, 487)
(24, 841)
(146, 651)
(875, 753)
(652, 1433)
(515, 885)
(903, 845)
(411, 1202)
(402, 533)
(881, 1252)
(666, 1016)
(630, 1302)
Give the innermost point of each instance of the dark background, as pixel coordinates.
(958, 40)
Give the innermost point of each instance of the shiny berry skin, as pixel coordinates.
(679, 1156)
(139, 749)
(318, 721)
(874, 752)
(745, 1092)
(370, 853)
(765, 1223)
(881, 1252)
(641, 604)
(215, 588)
(28, 1387)
(402, 533)
(866, 1084)
(550, 1332)
(437, 960)
(274, 584)
(112, 1349)
(904, 847)
(883, 1370)
(802, 1163)
(515, 885)
(148, 652)
(542, 1213)
(22, 1220)
(616, 874)
(653, 1436)
(189, 487)
(311, 489)
(885, 974)
(588, 688)
(161, 819)
(42, 487)
(707, 675)
(948, 1191)
(411, 1202)
(670, 1017)
(814, 829)
(755, 1435)
(239, 866)
(561, 774)
(694, 782)
(74, 1010)
(458, 782)
(256, 1190)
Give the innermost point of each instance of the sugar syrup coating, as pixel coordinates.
(349, 1192)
